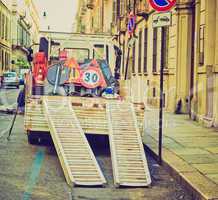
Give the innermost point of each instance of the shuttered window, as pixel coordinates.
(165, 32)
(145, 49)
(133, 59)
(154, 66)
(201, 45)
(140, 53)
(114, 12)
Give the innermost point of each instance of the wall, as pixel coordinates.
(204, 106)
(5, 36)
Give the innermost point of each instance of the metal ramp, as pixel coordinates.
(76, 157)
(128, 158)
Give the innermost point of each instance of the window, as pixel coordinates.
(122, 7)
(140, 53)
(148, 82)
(80, 53)
(133, 59)
(98, 52)
(145, 49)
(6, 28)
(118, 8)
(92, 22)
(114, 12)
(165, 32)
(6, 61)
(164, 100)
(154, 92)
(0, 25)
(1, 65)
(154, 67)
(3, 60)
(3, 26)
(123, 61)
(131, 5)
(201, 45)
(28, 40)
(19, 34)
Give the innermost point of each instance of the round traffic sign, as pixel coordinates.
(131, 23)
(162, 5)
(91, 78)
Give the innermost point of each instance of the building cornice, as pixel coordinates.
(184, 5)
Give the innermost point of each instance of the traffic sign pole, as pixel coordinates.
(161, 99)
(161, 19)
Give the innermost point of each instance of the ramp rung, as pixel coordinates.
(128, 158)
(76, 157)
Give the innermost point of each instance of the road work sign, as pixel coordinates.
(162, 19)
(162, 5)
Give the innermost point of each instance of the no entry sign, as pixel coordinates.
(162, 5)
(131, 23)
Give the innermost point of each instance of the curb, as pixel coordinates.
(180, 178)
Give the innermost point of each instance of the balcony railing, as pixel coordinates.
(19, 43)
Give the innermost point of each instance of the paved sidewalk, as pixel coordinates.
(190, 152)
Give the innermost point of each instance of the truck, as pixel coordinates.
(74, 94)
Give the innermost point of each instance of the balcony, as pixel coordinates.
(20, 44)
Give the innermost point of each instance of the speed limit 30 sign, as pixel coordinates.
(91, 78)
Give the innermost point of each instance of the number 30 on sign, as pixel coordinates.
(91, 78)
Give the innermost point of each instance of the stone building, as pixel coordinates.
(5, 36)
(190, 54)
(94, 16)
(25, 31)
(205, 61)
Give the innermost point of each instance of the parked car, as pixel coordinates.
(21, 79)
(22, 75)
(10, 79)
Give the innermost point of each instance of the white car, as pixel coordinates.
(10, 79)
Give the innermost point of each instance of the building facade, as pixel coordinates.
(25, 31)
(190, 57)
(94, 16)
(5, 36)
(205, 90)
